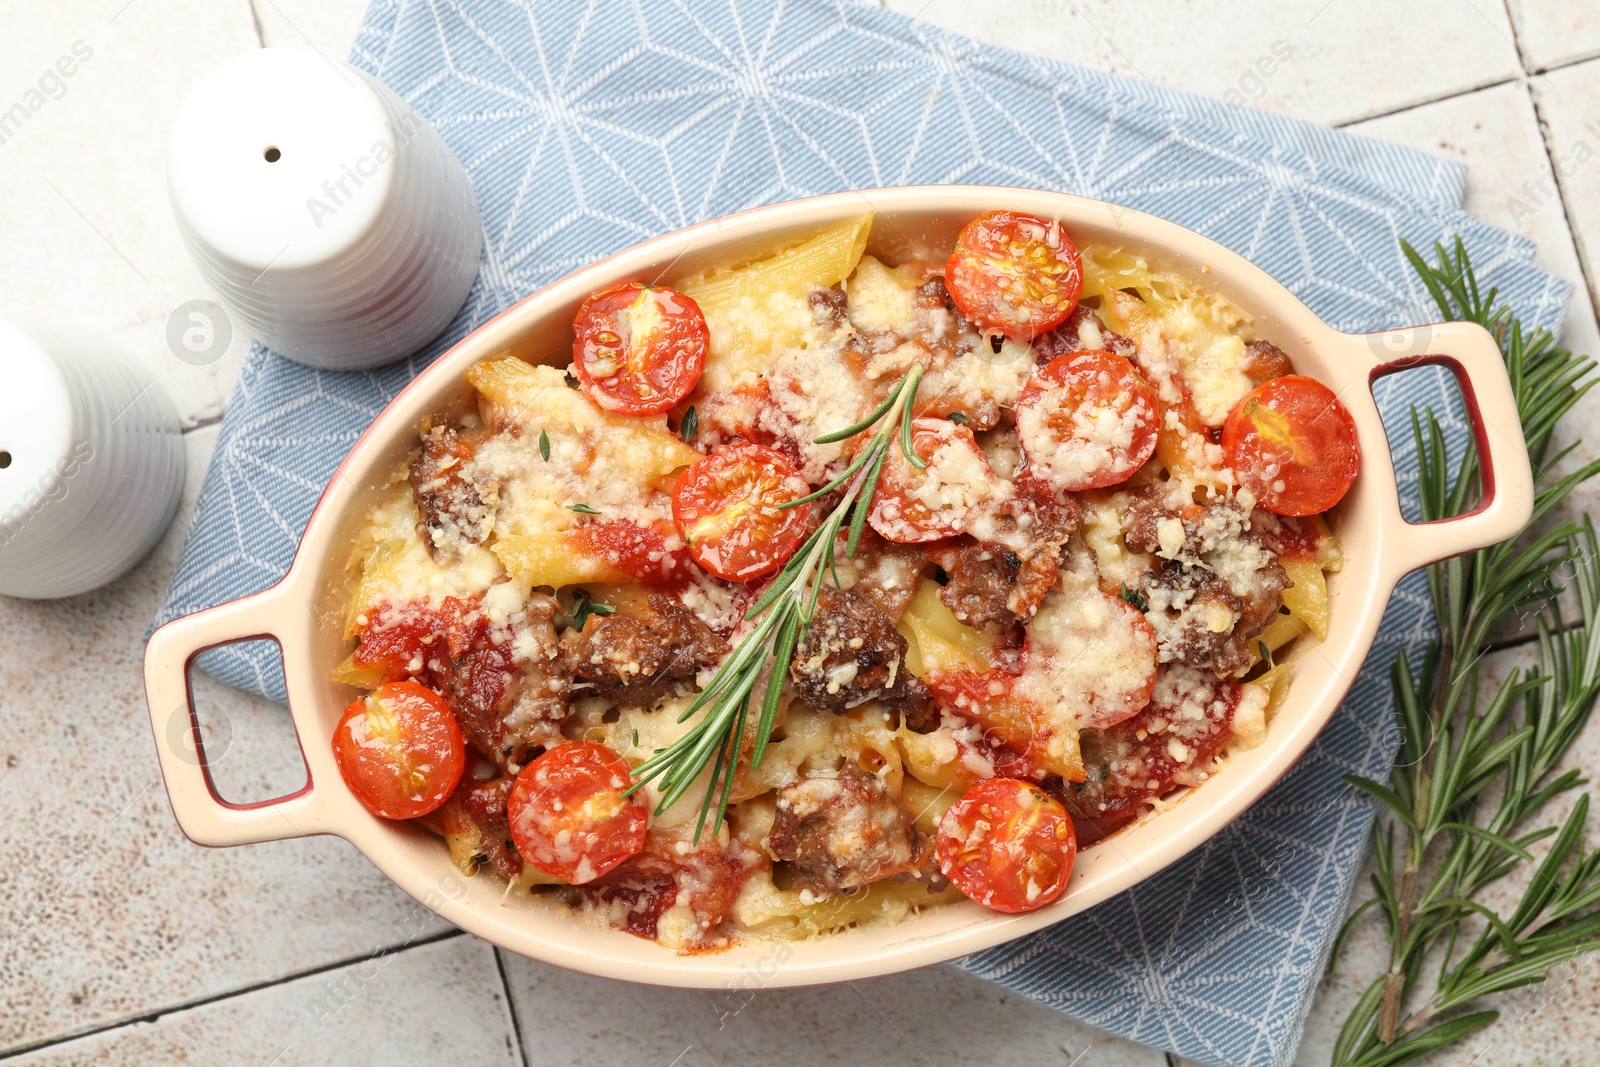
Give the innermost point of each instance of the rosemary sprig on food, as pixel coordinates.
(781, 616)
(1475, 770)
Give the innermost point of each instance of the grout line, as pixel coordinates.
(1493, 83)
(201, 1002)
(255, 21)
(1546, 136)
(1513, 642)
(1516, 37)
(511, 1006)
(1563, 64)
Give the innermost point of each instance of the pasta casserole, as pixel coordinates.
(820, 590)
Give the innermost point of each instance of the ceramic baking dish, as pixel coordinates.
(303, 613)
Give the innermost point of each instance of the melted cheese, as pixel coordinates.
(789, 363)
(1089, 659)
(881, 298)
(614, 463)
(397, 568)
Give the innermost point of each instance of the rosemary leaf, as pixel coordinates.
(1476, 770)
(781, 615)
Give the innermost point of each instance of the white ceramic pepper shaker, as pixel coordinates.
(333, 221)
(91, 461)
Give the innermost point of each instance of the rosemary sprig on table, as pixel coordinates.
(781, 616)
(1476, 770)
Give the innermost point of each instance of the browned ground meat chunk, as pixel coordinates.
(669, 872)
(1142, 518)
(542, 686)
(1004, 581)
(1264, 360)
(475, 816)
(828, 306)
(455, 505)
(1187, 592)
(1082, 331)
(637, 659)
(851, 654)
(508, 686)
(888, 573)
(1196, 643)
(846, 832)
(989, 583)
(485, 803)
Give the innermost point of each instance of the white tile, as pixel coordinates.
(1555, 31)
(249, 742)
(1569, 102)
(329, 26)
(934, 1015)
(106, 911)
(437, 1003)
(1544, 1024)
(1510, 184)
(1344, 64)
(83, 196)
(1509, 180)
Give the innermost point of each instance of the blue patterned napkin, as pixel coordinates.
(587, 128)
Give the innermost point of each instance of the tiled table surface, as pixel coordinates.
(122, 943)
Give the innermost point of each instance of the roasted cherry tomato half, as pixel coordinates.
(912, 505)
(726, 507)
(568, 815)
(1007, 845)
(649, 554)
(1014, 274)
(1293, 445)
(1087, 420)
(639, 349)
(400, 750)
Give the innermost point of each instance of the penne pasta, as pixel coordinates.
(818, 262)
(1066, 605)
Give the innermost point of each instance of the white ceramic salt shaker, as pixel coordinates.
(332, 220)
(91, 460)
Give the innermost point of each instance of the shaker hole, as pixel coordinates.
(5, 460)
(272, 155)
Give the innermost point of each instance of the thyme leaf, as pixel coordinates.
(583, 606)
(1134, 597)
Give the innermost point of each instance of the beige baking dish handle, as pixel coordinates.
(206, 818)
(1470, 353)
